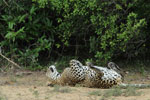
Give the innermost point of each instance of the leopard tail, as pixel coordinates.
(142, 86)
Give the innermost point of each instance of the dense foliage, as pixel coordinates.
(32, 32)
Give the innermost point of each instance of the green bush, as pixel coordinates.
(36, 31)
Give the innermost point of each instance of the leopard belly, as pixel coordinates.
(109, 78)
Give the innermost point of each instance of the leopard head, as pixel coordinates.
(113, 66)
(52, 72)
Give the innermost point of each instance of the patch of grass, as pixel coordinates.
(36, 93)
(19, 76)
(56, 88)
(65, 90)
(92, 98)
(2, 97)
(131, 91)
(78, 85)
(112, 99)
(19, 94)
(113, 92)
(13, 79)
(60, 89)
(96, 93)
(30, 89)
(46, 98)
(103, 98)
(132, 99)
(117, 92)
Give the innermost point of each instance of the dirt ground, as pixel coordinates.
(32, 86)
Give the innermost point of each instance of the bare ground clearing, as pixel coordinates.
(32, 86)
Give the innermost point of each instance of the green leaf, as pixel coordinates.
(32, 10)
(118, 7)
(9, 35)
(20, 30)
(22, 18)
(10, 25)
(58, 45)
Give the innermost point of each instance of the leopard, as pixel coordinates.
(77, 73)
(89, 75)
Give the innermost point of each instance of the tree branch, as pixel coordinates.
(9, 60)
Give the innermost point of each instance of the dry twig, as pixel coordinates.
(9, 59)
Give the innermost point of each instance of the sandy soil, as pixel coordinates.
(32, 86)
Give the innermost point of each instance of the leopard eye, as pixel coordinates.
(51, 69)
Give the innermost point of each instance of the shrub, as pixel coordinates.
(36, 31)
